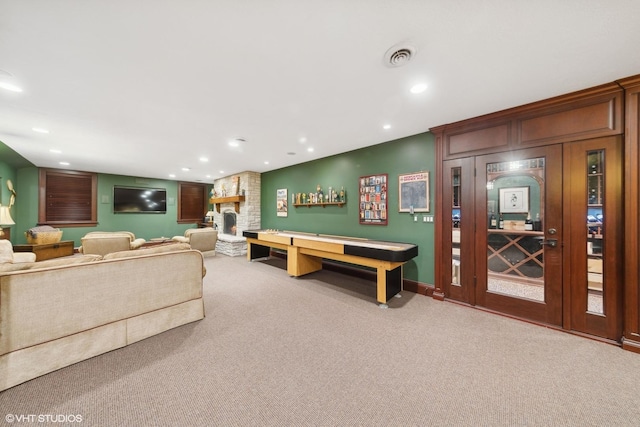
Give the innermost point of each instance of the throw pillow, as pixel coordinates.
(6, 251)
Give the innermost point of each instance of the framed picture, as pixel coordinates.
(373, 199)
(514, 200)
(281, 202)
(413, 192)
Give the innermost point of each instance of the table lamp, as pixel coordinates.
(5, 218)
(209, 216)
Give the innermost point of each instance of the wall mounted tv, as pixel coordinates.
(139, 200)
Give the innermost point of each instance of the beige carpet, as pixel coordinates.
(317, 351)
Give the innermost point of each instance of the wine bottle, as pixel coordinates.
(492, 221)
(528, 224)
(537, 224)
(501, 222)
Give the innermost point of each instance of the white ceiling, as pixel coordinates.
(147, 87)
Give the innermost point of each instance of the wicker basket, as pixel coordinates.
(44, 237)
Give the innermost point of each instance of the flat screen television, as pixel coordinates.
(139, 200)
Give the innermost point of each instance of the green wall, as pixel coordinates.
(147, 226)
(407, 155)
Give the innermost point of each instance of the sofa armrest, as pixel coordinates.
(180, 239)
(137, 243)
(20, 257)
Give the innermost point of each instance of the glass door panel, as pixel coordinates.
(515, 258)
(595, 172)
(519, 233)
(456, 179)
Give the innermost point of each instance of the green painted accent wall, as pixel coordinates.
(407, 155)
(146, 226)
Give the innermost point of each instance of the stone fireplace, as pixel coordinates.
(232, 220)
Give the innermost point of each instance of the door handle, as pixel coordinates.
(551, 242)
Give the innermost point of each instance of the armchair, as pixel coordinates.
(202, 239)
(104, 242)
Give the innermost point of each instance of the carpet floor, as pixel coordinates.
(317, 351)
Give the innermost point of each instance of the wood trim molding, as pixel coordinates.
(631, 339)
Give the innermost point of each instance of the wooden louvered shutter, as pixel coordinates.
(67, 198)
(192, 205)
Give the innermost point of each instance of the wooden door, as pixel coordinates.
(519, 265)
(593, 213)
(458, 230)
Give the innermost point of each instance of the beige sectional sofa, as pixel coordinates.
(58, 312)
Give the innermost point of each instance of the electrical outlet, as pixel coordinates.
(415, 219)
(424, 219)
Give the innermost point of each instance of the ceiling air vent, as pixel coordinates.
(399, 55)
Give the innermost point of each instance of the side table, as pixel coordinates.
(47, 250)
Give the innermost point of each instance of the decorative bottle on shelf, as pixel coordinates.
(501, 222)
(343, 195)
(528, 224)
(537, 224)
(492, 221)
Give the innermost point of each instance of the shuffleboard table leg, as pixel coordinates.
(389, 284)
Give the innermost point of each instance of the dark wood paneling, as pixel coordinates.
(589, 113)
(631, 339)
(573, 124)
(493, 138)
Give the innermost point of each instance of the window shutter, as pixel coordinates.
(192, 202)
(67, 198)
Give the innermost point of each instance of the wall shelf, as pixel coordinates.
(319, 204)
(217, 201)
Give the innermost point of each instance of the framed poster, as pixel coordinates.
(373, 199)
(413, 192)
(281, 202)
(514, 200)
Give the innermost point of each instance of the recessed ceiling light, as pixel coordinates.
(10, 87)
(40, 130)
(387, 126)
(266, 162)
(236, 142)
(65, 163)
(204, 159)
(310, 149)
(186, 169)
(303, 140)
(55, 150)
(221, 171)
(172, 175)
(418, 88)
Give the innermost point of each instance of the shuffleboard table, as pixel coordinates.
(305, 252)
